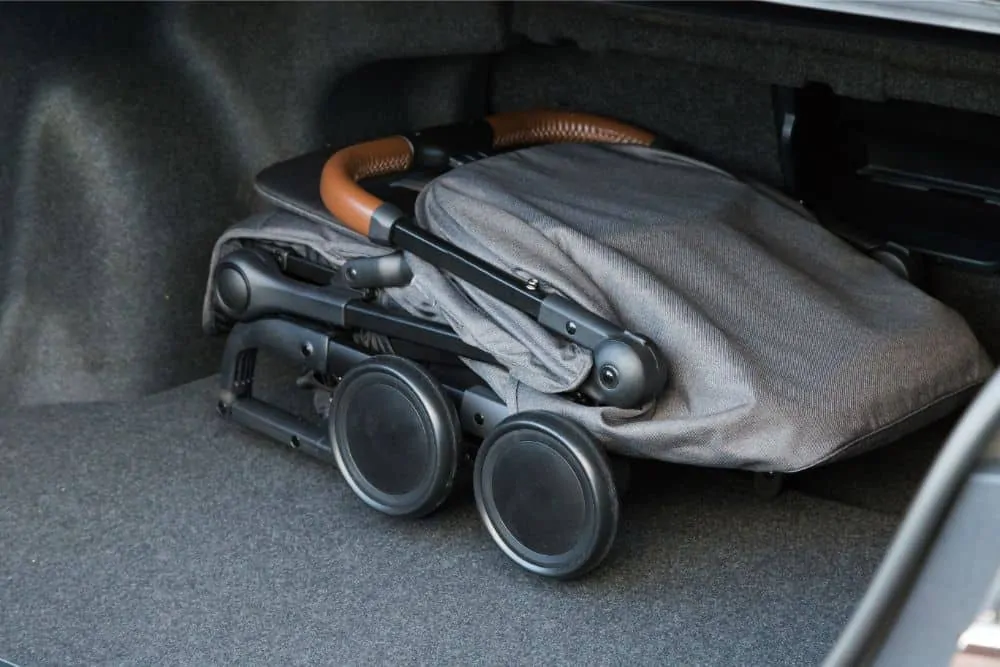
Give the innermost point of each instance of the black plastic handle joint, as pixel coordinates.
(434, 147)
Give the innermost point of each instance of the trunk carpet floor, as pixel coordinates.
(153, 532)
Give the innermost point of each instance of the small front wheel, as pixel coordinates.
(768, 484)
(396, 436)
(545, 491)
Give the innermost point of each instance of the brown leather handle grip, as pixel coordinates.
(339, 189)
(352, 205)
(525, 128)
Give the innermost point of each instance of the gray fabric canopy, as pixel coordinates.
(786, 346)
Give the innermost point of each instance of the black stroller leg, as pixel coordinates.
(297, 344)
(282, 426)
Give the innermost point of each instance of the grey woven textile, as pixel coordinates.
(786, 346)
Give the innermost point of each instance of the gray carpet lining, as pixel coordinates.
(152, 532)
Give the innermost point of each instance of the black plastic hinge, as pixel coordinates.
(434, 147)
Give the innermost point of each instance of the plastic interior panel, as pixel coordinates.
(953, 581)
(914, 174)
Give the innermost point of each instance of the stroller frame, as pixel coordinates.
(306, 312)
(546, 490)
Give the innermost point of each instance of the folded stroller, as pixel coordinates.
(540, 296)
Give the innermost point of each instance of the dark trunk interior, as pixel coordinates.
(137, 527)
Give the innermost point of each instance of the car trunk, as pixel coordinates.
(137, 526)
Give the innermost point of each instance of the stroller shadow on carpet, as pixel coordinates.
(536, 298)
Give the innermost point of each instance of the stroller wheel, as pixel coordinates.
(395, 436)
(545, 490)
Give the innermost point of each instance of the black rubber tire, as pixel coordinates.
(396, 436)
(768, 485)
(560, 478)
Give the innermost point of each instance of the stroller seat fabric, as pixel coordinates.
(786, 347)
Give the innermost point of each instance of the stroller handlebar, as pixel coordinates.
(526, 128)
(354, 206)
(343, 197)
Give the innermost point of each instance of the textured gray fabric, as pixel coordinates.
(786, 346)
(152, 532)
(959, 73)
(128, 145)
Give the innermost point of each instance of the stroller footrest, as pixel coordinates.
(294, 342)
(281, 426)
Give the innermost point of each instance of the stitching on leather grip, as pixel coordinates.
(367, 166)
(562, 131)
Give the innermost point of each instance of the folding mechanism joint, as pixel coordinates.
(481, 411)
(249, 285)
(382, 222)
(571, 320)
(627, 371)
(375, 272)
(445, 145)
